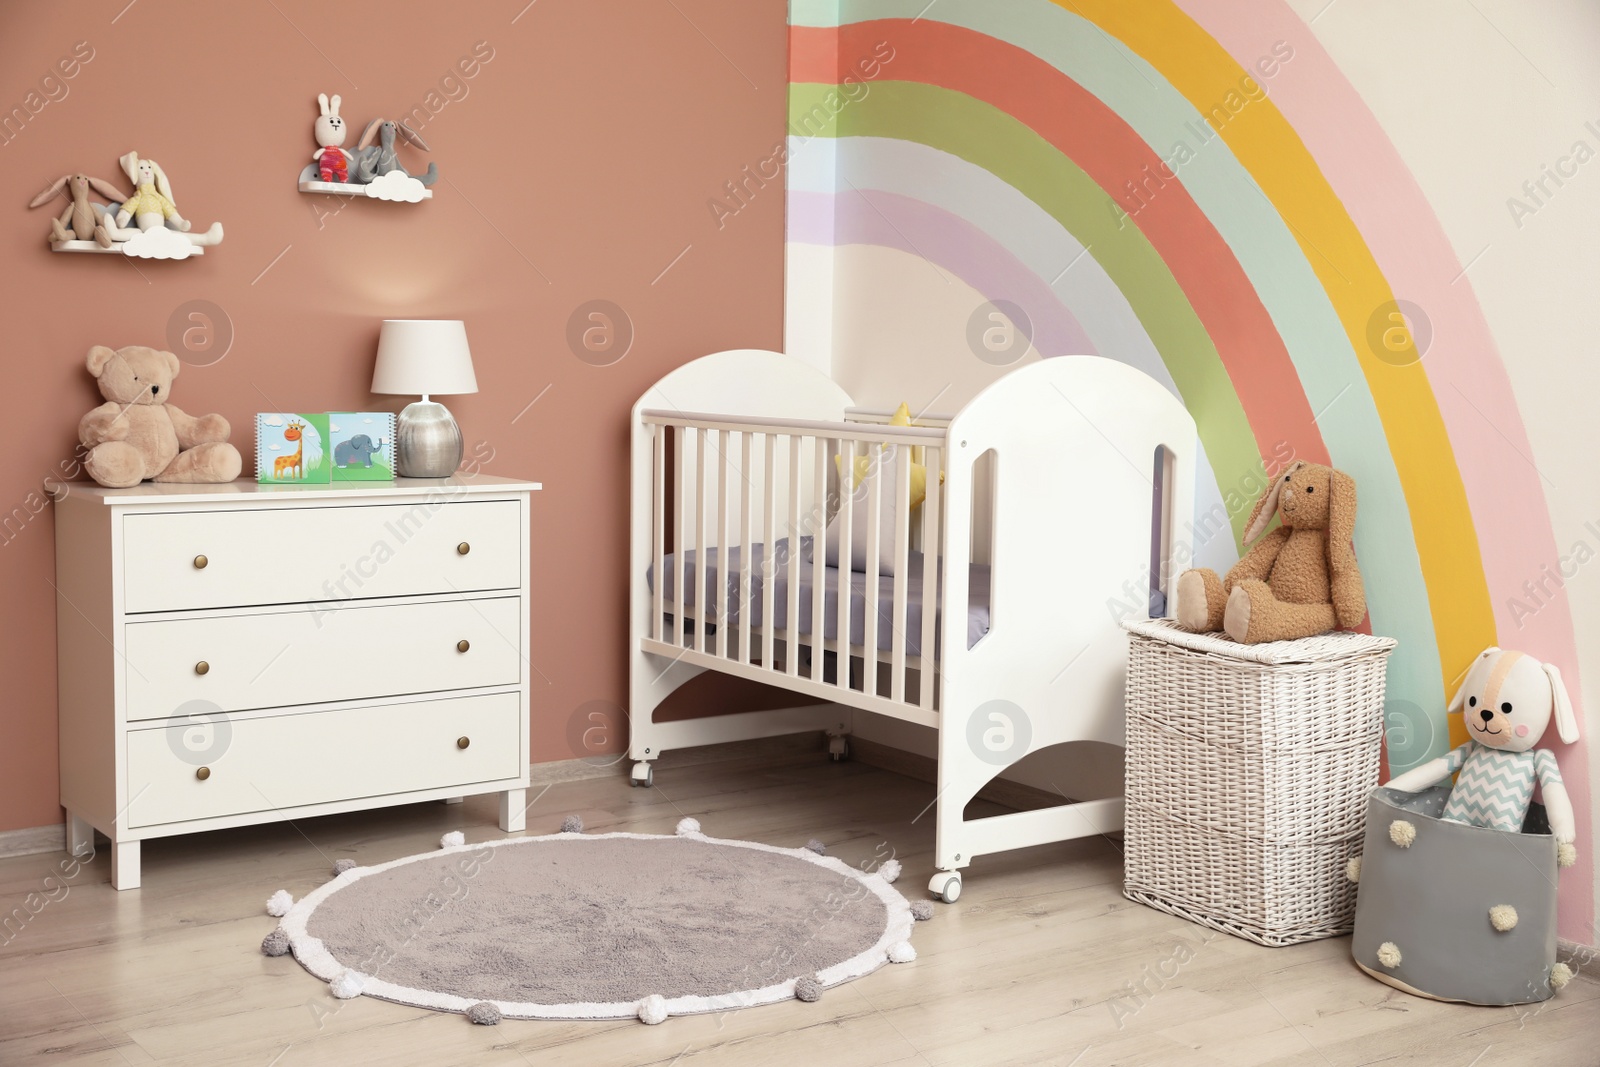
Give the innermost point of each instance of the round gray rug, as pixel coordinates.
(600, 926)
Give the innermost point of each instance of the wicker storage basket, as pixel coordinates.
(1248, 771)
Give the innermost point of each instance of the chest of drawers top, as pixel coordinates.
(239, 544)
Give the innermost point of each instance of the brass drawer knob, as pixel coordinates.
(203, 773)
(463, 742)
(200, 563)
(463, 644)
(461, 550)
(202, 667)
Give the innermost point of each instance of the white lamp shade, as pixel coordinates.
(417, 357)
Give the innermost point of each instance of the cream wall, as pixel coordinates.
(1479, 98)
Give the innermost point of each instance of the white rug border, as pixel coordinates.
(314, 956)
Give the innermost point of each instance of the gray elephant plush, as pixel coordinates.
(358, 451)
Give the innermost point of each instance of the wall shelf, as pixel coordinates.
(116, 249)
(396, 186)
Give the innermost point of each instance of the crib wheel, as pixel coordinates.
(642, 775)
(946, 885)
(838, 749)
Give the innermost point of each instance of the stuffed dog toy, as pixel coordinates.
(1507, 702)
(1299, 580)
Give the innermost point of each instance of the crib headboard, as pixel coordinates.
(746, 383)
(1074, 444)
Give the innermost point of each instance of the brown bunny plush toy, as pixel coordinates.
(1299, 580)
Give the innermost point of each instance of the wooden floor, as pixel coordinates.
(1041, 962)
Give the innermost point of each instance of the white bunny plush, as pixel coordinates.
(1506, 701)
(333, 162)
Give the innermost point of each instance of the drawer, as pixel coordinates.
(341, 652)
(294, 555)
(287, 761)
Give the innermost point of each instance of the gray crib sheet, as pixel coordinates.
(977, 610)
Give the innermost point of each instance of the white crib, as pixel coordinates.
(1063, 483)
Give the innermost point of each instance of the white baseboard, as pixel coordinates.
(33, 840)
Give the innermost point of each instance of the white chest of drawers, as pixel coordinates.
(235, 654)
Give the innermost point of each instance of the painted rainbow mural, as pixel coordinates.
(1195, 188)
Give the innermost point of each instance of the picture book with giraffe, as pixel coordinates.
(292, 449)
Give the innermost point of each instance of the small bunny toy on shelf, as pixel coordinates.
(374, 161)
(333, 162)
(80, 220)
(151, 207)
(151, 203)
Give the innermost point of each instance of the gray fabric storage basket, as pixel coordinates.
(1431, 900)
(1248, 771)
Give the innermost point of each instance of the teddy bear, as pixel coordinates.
(137, 434)
(1506, 704)
(1299, 580)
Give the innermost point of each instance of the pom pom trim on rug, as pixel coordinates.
(807, 989)
(452, 839)
(653, 1010)
(344, 865)
(817, 846)
(348, 985)
(279, 903)
(687, 826)
(889, 870)
(483, 1014)
(572, 824)
(275, 943)
(314, 956)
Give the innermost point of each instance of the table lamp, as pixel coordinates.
(425, 356)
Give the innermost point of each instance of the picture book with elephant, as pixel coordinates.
(362, 444)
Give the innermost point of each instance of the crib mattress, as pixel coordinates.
(696, 582)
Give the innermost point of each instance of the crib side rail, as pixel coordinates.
(738, 518)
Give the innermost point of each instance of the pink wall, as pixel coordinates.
(577, 165)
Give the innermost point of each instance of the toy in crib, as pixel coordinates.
(1457, 884)
(1299, 580)
(1506, 703)
(333, 162)
(81, 219)
(151, 206)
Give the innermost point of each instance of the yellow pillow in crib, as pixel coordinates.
(919, 473)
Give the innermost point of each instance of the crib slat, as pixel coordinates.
(902, 542)
(847, 469)
(769, 562)
(658, 523)
(791, 623)
(869, 615)
(724, 470)
(744, 548)
(702, 564)
(680, 628)
(818, 517)
(932, 548)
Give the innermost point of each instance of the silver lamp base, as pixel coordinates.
(427, 441)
